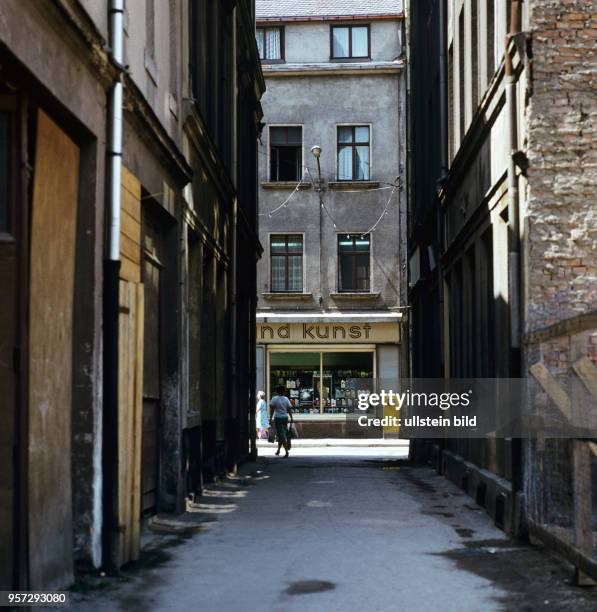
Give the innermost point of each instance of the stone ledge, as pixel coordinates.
(287, 296)
(355, 296)
(353, 185)
(286, 185)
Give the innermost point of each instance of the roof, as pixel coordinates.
(313, 9)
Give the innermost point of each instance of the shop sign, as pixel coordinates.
(324, 333)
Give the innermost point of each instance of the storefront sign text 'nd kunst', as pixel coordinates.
(318, 333)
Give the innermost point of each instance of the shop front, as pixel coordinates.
(324, 365)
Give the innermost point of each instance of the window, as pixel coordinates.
(270, 42)
(286, 252)
(353, 263)
(353, 153)
(350, 42)
(316, 382)
(286, 153)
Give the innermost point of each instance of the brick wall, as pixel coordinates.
(561, 199)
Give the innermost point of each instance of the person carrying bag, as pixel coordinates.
(280, 411)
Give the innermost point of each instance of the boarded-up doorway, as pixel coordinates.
(52, 267)
(152, 270)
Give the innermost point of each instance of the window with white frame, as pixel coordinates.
(353, 152)
(286, 263)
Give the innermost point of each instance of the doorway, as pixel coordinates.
(150, 449)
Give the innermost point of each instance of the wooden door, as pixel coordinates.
(130, 381)
(152, 269)
(51, 286)
(10, 324)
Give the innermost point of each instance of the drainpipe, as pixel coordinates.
(111, 301)
(514, 276)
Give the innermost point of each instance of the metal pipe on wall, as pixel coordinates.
(109, 434)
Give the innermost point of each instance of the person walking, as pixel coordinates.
(261, 420)
(280, 411)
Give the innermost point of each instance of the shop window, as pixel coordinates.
(286, 153)
(350, 42)
(270, 42)
(286, 252)
(353, 263)
(322, 382)
(353, 153)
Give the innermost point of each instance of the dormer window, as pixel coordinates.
(350, 42)
(270, 42)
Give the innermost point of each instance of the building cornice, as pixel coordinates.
(207, 151)
(84, 33)
(324, 18)
(336, 69)
(150, 129)
(248, 32)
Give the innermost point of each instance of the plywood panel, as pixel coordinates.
(130, 387)
(137, 433)
(53, 229)
(130, 227)
(129, 270)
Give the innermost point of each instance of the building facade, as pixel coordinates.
(128, 245)
(331, 169)
(503, 282)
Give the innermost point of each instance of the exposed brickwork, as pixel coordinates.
(561, 121)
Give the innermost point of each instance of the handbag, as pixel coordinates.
(293, 431)
(271, 435)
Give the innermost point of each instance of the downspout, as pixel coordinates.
(514, 289)
(111, 300)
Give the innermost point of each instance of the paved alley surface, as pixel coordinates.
(339, 529)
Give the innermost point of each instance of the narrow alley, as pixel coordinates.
(344, 528)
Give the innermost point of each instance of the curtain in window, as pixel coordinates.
(278, 273)
(362, 166)
(259, 35)
(340, 47)
(295, 274)
(360, 43)
(345, 163)
(272, 44)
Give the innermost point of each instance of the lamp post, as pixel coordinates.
(316, 151)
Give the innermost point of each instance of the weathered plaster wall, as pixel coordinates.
(319, 104)
(310, 42)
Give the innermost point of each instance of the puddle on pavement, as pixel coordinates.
(305, 587)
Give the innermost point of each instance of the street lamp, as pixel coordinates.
(316, 151)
